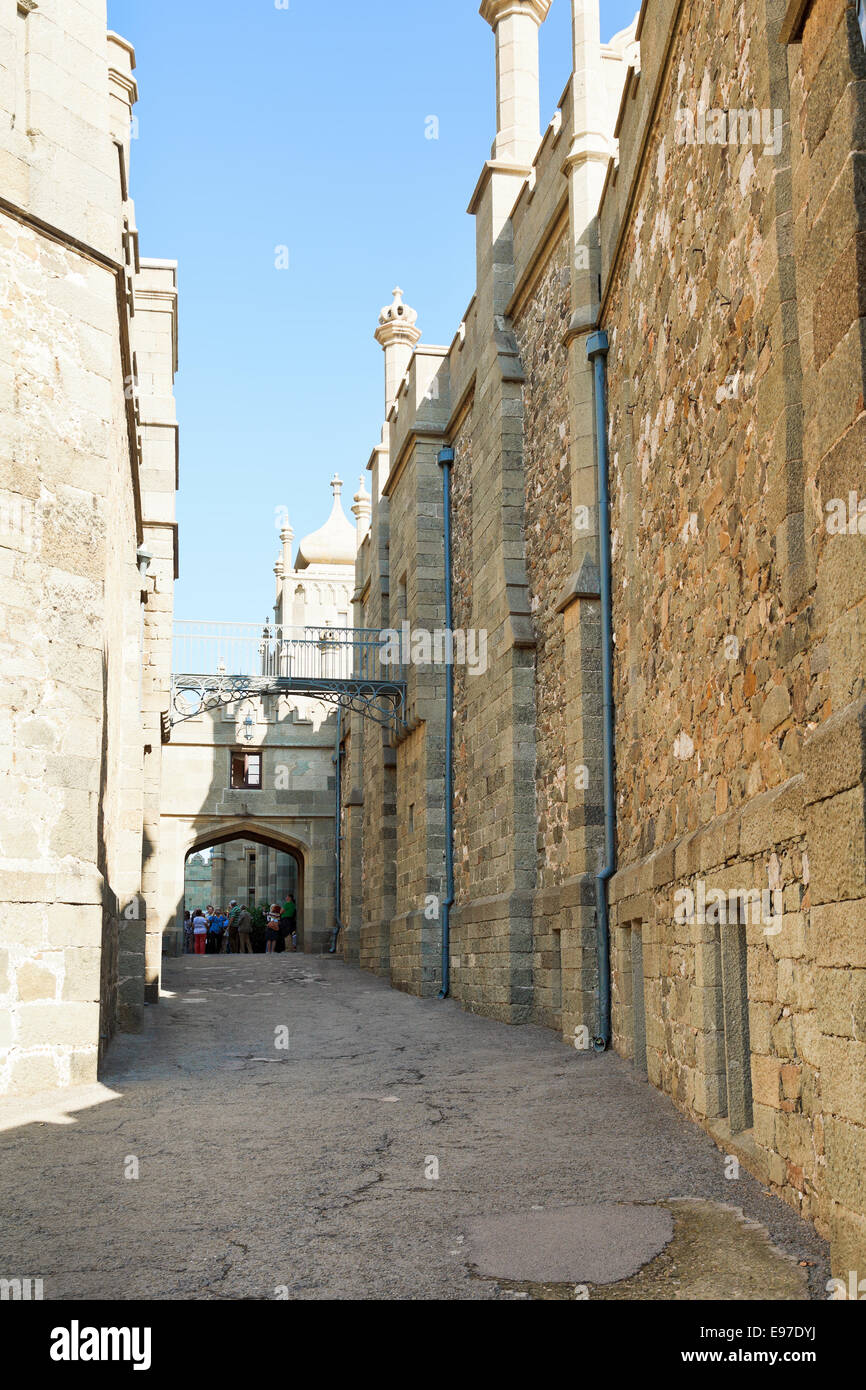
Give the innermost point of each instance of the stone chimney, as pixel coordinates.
(515, 24)
(362, 511)
(397, 335)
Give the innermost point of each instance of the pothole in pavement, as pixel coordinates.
(681, 1249)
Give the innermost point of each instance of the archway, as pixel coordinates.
(260, 889)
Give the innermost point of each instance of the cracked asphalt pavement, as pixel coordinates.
(308, 1171)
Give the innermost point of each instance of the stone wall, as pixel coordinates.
(540, 329)
(463, 582)
(378, 759)
(828, 99)
(293, 810)
(727, 277)
(72, 518)
(735, 396)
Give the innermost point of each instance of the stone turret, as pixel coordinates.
(515, 24)
(362, 511)
(287, 536)
(397, 334)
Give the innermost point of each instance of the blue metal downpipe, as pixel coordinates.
(446, 461)
(596, 350)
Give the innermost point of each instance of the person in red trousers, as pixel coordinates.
(199, 932)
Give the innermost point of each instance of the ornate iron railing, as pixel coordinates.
(217, 664)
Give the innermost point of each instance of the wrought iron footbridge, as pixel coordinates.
(220, 664)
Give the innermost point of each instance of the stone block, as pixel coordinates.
(772, 818)
(63, 1025)
(81, 975)
(31, 1073)
(846, 1163)
(834, 756)
(847, 1244)
(766, 1081)
(834, 997)
(35, 982)
(838, 930)
(837, 847)
(83, 1067)
(843, 1079)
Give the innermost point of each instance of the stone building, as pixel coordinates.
(255, 777)
(197, 880)
(88, 553)
(252, 874)
(652, 778)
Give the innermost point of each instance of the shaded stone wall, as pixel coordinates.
(70, 496)
(735, 393)
(352, 844)
(463, 591)
(728, 278)
(828, 106)
(540, 330)
(378, 762)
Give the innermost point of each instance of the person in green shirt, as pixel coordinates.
(232, 938)
(289, 922)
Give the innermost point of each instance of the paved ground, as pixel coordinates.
(311, 1171)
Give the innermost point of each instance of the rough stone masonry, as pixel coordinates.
(697, 199)
(656, 304)
(88, 471)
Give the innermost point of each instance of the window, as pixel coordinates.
(246, 771)
(638, 997)
(735, 1008)
(861, 19)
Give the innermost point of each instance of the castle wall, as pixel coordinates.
(539, 329)
(72, 520)
(735, 391)
(293, 809)
(378, 759)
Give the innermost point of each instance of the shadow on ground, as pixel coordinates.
(222, 1164)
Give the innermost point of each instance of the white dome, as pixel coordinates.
(335, 543)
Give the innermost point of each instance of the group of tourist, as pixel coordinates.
(210, 931)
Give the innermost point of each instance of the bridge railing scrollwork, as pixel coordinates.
(220, 664)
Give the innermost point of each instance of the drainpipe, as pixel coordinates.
(446, 461)
(596, 351)
(338, 835)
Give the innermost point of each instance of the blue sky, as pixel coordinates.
(303, 127)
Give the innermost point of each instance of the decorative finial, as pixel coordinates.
(398, 313)
(336, 485)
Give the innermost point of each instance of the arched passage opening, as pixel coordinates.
(251, 866)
